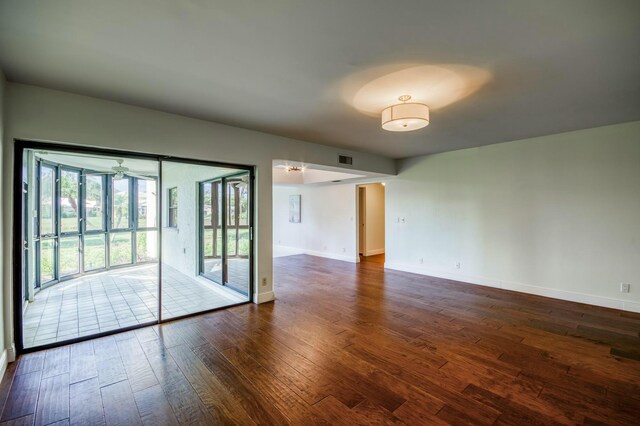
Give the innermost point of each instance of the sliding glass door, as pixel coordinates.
(94, 230)
(109, 243)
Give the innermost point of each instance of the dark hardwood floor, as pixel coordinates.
(347, 344)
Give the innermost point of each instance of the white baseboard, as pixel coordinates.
(265, 297)
(282, 251)
(11, 353)
(3, 363)
(374, 252)
(295, 250)
(336, 256)
(631, 306)
(571, 296)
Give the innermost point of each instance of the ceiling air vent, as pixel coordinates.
(344, 159)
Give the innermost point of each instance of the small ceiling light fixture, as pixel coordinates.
(406, 116)
(294, 169)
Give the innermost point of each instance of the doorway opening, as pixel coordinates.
(106, 241)
(224, 216)
(370, 230)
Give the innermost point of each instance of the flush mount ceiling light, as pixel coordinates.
(294, 169)
(406, 116)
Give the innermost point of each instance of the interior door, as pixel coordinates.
(225, 232)
(237, 232)
(211, 245)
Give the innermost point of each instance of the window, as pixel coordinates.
(120, 203)
(69, 201)
(94, 203)
(146, 203)
(173, 207)
(47, 200)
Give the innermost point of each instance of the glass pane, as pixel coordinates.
(94, 202)
(243, 203)
(69, 182)
(69, 256)
(173, 197)
(147, 217)
(47, 191)
(120, 211)
(75, 202)
(146, 246)
(120, 248)
(94, 252)
(206, 204)
(212, 237)
(172, 220)
(231, 203)
(231, 242)
(47, 260)
(238, 243)
(243, 242)
(208, 243)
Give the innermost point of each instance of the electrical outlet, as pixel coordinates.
(625, 287)
(457, 265)
(264, 281)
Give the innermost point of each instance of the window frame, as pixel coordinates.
(171, 221)
(106, 231)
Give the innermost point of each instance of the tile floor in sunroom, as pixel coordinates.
(115, 299)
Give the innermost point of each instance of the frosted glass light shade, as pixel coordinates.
(405, 117)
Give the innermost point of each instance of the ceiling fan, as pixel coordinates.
(118, 171)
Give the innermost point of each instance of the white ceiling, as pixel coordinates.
(309, 175)
(100, 163)
(280, 66)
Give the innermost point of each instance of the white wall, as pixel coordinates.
(556, 215)
(42, 114)
(328, 221)
(374, 222)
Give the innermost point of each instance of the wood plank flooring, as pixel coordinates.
(347, 344)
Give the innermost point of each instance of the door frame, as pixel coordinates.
(223, 180)
(362, 221)
(20, 145)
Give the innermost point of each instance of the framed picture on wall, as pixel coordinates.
(294, 208)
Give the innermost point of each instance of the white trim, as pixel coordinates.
(374, 252)
(571, 296)
(631, 306)
(282, 251)
(265, 297)
(3, 363)
(294, 251)
(11, 353)
(336, 256)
